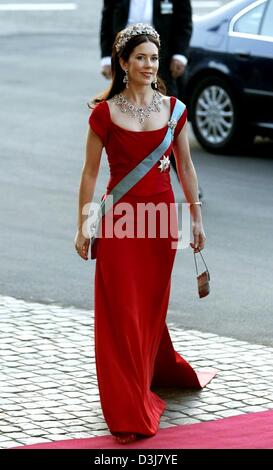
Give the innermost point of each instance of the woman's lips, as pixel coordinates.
(146, 74)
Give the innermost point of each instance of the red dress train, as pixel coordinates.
(132, 287)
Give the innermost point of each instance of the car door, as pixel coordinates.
(251, 43)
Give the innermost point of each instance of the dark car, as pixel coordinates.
(229, 79)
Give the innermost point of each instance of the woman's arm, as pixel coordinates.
(89, 175)
(189, 182)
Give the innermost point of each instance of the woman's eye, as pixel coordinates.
(154, 59)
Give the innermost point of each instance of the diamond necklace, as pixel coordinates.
(139, 112)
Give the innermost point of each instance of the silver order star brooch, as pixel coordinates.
(164, 163)
(172, 125)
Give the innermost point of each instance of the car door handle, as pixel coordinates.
(242, 55)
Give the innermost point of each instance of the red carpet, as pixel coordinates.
(247, 431)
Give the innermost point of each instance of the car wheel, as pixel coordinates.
(215, 119)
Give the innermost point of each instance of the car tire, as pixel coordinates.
(216, 119)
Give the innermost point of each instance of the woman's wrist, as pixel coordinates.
(196, 214)
(82, 222)
(197, 220)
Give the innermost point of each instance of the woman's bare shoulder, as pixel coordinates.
(166, 103)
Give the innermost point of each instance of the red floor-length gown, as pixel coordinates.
(132, 287)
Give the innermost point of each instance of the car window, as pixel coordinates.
(249, 23)
(267, 24)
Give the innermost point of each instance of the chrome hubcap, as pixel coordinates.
(214, 114)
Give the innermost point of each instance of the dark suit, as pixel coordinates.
(174, 29)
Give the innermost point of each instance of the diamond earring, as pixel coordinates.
(126, 79)
(155, 83)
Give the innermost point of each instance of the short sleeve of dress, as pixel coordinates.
(98, 121)
(180, 123)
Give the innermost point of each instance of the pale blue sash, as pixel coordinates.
(137, 173)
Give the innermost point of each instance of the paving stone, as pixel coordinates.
(34, 440)
(226, 367)
(174, 407)
(38, 418)
(57, 430)
(191, 404)
(215, 400)
(213, 408)
(219, 392)
(98, 426)
(164, 424)
(89, 421)
(185, 420)
(76, 408)
(54, 415)
(102, 432)
(81, 414)
(262, 388)
(32, 429)
(253, 409)
(8, 392)
(238, 389)
(8, 444)
(16, 436)
(30, 405)
(73, 429)
(207, 417)
(15, 416)
(233, 404)
(9, 429)
(79, 435)
(227, 413)
(3, 439)
(269, 405)
(31, 388)
(240, 396)
(173, 415)
(73, 394)
(256, 401)
(192, 411)
(21, 375)
(11, 407)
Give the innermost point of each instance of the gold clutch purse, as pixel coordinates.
(203, 279)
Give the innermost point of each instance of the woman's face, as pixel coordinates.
(143, 64)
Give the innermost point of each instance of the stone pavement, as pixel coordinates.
(48, 384)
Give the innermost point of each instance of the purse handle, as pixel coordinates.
(202, 260)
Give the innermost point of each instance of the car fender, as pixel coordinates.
(206, 69)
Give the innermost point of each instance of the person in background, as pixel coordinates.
(173, 21)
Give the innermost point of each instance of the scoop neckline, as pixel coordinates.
(138, 132)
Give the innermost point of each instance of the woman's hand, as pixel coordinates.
(199, 237)
(82, 245)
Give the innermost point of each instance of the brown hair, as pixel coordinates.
(117, 85)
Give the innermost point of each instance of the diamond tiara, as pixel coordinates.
(135, 30)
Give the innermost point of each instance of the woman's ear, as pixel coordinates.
(123, 64)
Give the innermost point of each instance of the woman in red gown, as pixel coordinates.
(133, 273)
